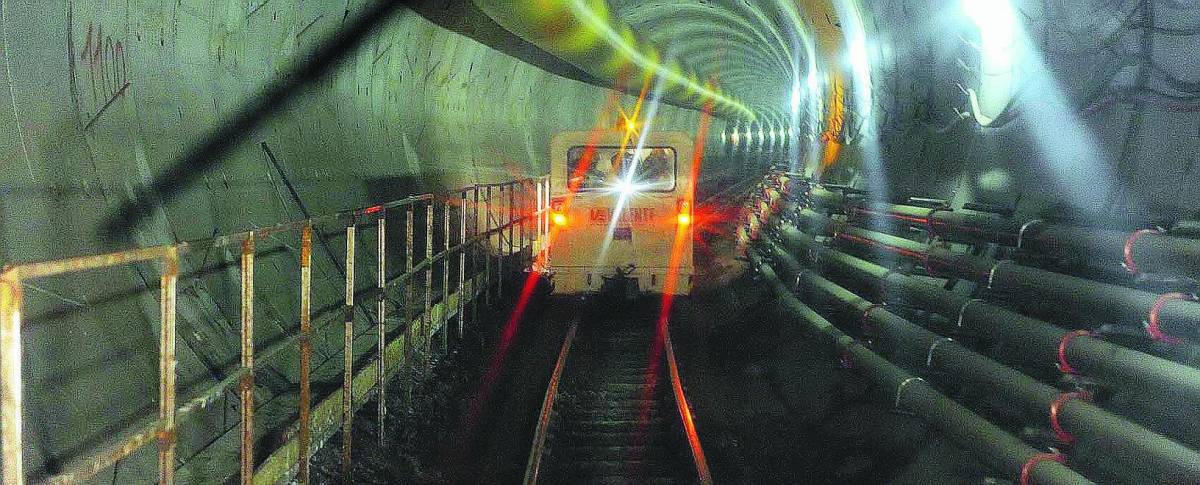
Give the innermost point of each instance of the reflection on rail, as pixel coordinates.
(539, 437)
(685, 415)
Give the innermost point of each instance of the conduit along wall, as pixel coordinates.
(1061, 383)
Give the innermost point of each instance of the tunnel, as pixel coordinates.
(600, 241)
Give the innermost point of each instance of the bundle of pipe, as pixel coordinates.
(1100, 439)
(1042, 342)
(990, 444)
(1045, 292)
(1032, 340)
(1142, 251)
(768, 196)
(1051, 294)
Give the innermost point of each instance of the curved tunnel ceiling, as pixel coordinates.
(756, 55)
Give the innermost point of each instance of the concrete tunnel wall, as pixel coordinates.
(103, 96)
(1087, 138)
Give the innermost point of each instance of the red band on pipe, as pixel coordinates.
(1056, 407)
(846, 359)
(1027, 468)
(1130, 240)
(1152, 321)
(1063, 343)
(929, 221)
(865, 321)
(901, 217)
(918, 255)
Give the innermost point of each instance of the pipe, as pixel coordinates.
(1033, 340)
(1047, 292)
(585, 34)
(989, 443)
(1103, 438)
(1141, 251)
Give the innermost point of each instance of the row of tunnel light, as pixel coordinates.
(757, 138)
(988, 95)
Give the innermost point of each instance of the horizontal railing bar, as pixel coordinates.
(209, 396)
(89, 467)
(84, 263)
(97, 261)
(427, 262)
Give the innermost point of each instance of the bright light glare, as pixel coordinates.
(560, 219)
(996, 21)
(685, 219)
(993, 17)
(626, 188)
(796, 99)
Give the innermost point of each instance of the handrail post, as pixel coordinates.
(475, 257)
(380, 327)
(427, 318)
(408, 302)
(500, 244)
(445, 274)
(487, 254)
(166, 369)
(512, 221)
(11, 406)
(537, 238)
(462, 261)
(348, 356)
(246, 386)
(524, 209)
(305, 351)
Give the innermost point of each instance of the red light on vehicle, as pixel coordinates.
(684, 216)
(556, 214)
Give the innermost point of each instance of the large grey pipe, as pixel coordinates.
(989, 443)
(1141, 251)
(1105, 441)
(1046, 292)
(1031, 340)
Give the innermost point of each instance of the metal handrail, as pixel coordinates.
(162, 429)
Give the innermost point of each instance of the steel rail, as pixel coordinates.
(703, 475)
(533, 466)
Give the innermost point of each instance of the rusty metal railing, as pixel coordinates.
(524, 201)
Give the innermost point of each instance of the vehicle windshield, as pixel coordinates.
(606, 168)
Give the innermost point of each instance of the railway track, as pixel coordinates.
(614, 411)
